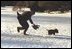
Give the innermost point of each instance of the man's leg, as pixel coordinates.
(19, 28)
(26, 30)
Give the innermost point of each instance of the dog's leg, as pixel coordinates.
(53, 33)
(49, 34)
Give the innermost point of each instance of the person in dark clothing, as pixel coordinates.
(22, 18)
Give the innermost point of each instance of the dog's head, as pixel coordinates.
(56, 30)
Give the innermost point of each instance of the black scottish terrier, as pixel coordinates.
(50, 32)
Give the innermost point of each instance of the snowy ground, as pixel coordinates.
(10, 38)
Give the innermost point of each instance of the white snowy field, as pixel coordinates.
(10, 38)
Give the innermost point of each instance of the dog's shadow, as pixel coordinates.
(54, 36)
(61, 37)
(38, 36)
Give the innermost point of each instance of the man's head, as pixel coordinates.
(32, 8)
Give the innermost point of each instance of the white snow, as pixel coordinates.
(10, 38)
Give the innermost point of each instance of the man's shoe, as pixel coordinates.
(25, 34)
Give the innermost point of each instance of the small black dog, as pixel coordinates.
(50, 32)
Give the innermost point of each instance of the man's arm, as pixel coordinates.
(33, 25)
(31, 20)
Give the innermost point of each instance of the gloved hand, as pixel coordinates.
(36, 26)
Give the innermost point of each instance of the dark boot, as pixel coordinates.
(25, 34)
(19, 28)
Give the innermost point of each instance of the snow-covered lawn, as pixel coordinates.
(10, 38)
